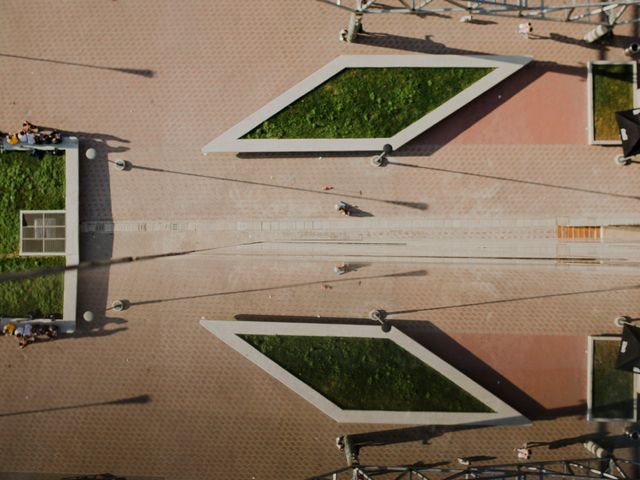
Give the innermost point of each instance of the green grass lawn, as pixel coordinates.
(44, 293)
(368, 102)
(612, 390)
(612, 92)
(365, 374)
(27, 183)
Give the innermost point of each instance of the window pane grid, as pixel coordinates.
(43, 232)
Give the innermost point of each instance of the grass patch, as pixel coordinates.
(612, 390)
(28, 183)
(46, 294)
(612, 92)
(365, 374)
(368, 102)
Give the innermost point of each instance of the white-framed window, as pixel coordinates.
(42, 232)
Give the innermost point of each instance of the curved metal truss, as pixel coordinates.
(578, 11)
(611, 468)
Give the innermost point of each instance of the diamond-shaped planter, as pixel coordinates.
(232, 141)
(230, 332)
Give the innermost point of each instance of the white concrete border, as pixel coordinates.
(70, 145)
(72, 156)
(228, 332)
(591, 125)
(591, 340)
(230, 141)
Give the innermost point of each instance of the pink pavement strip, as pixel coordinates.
(548, 110)
(154, 81)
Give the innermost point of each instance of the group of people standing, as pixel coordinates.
(29, 134)
(27, 333)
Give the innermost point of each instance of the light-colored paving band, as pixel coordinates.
(449, 249)
(348, 224)
(228, 331)
(512, 239)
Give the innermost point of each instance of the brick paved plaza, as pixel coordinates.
(479, 276)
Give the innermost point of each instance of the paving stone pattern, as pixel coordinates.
(147, 391)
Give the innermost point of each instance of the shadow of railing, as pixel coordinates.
(430, 46)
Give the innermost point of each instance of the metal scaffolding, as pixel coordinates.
(604, 15)
(608, 468)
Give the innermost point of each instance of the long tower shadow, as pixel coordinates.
(132, 71)
(138, 400)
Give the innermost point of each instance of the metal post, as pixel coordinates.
(354, 27)
(632, 49)
(380, 316)
(381, 160)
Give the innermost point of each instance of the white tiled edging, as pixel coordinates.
(72, 156)
(231, 141)
(590, 348)
(228, 332)
(591, 124)
(70, 145)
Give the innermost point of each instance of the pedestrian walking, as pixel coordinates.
(523, 452)
(343, 208)
(341, 269)
(525, 29)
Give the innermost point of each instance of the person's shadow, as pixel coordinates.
(357, 212)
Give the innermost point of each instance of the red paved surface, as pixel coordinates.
(536, 106)
(535, 372)
(207, 412)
